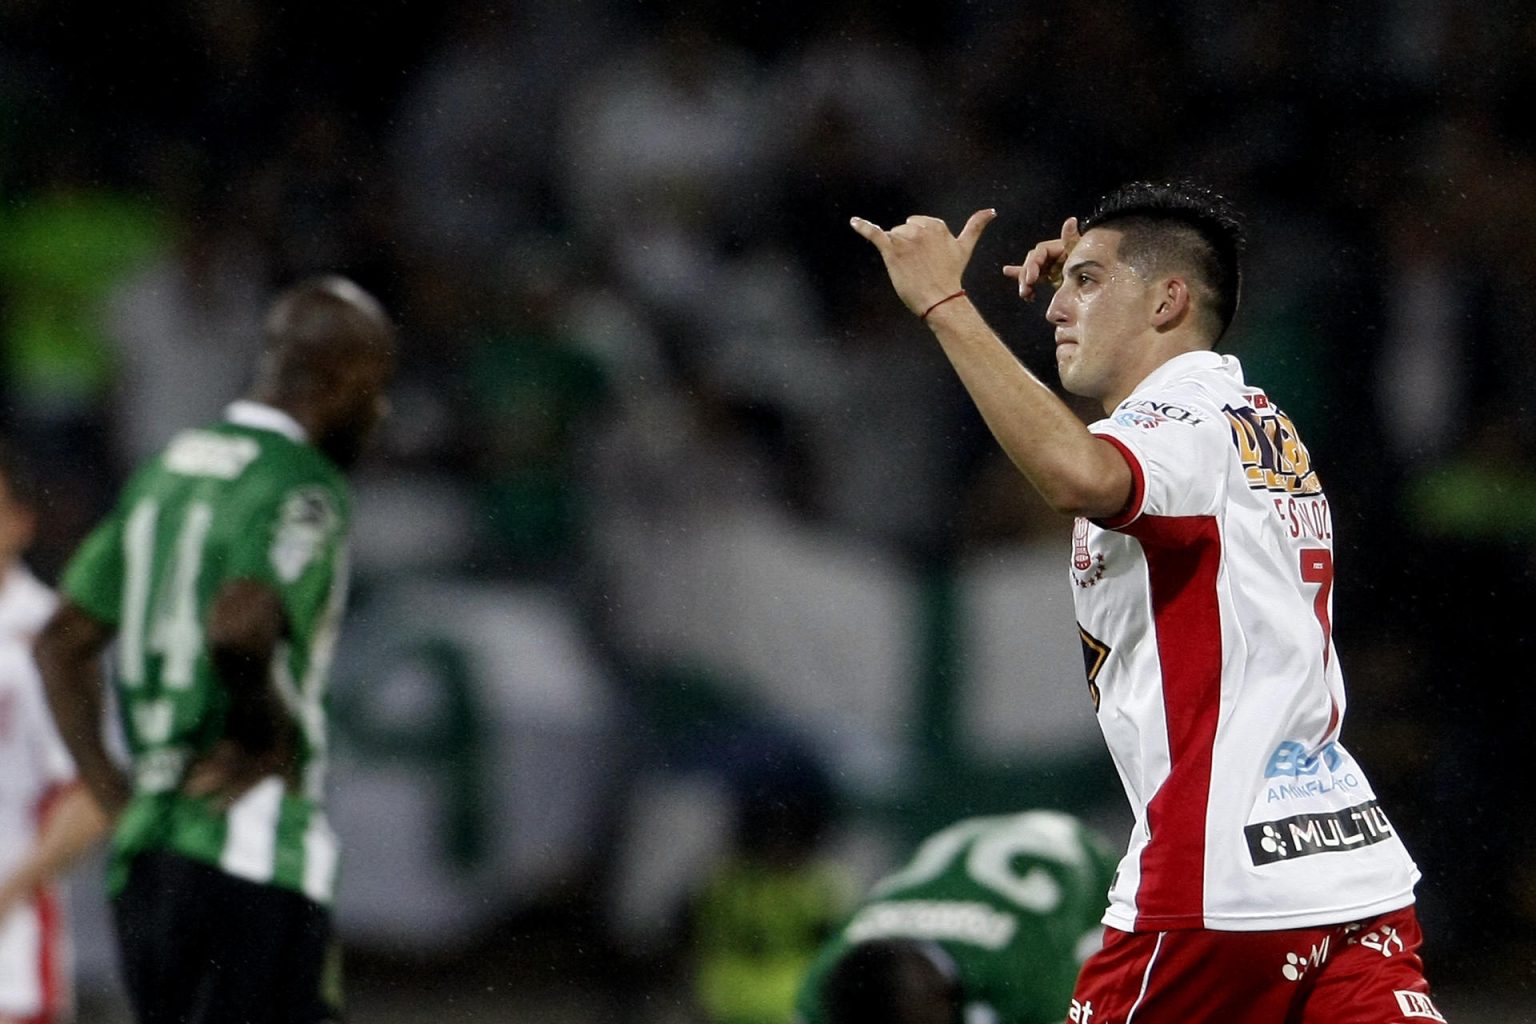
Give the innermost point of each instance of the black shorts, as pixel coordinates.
(199, 946)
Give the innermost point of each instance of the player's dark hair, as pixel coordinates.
(892, 981)
(19, 479)
(1182, 225)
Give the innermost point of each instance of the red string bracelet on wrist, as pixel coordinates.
(941, 302)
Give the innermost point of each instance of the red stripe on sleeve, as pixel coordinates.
(1183, 557)
(1138, 497)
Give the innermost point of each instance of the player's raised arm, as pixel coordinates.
(1073, 470)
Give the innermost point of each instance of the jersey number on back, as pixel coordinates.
(171, 628)
(1317, 567)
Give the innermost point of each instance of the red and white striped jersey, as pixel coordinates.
(34, 945)
(1205, 612)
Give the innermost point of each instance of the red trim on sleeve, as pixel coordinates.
(1183, 557)
(1133, 504)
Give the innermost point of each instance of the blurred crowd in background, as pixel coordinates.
(653, 385)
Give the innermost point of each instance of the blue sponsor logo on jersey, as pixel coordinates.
(1291, 760)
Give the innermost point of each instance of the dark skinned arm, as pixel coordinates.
(245, 625)
(68, 653)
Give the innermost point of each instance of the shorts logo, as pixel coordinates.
(1303, 835)
(1383, 941)
(1296, 964)
(1417, 1004)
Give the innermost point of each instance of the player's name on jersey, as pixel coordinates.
(1273, 457)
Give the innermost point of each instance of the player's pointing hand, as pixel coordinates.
(924, 260)
(1044, 261)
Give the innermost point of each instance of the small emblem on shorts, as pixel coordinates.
(1417, 1004)
(1383, 940)
(1296, 964)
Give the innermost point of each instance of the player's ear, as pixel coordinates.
(1171, 302)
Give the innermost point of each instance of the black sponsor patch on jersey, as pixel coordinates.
(1303, 835)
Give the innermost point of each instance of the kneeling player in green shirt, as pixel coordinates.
(987, 924)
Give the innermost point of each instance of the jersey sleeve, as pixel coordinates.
(290, 537)
(93, 579)
(1178, 447)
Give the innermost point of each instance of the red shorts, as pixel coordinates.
(1365, 972)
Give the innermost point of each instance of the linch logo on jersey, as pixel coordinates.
(1303, 835)
(1273, 456)
(1147, 414)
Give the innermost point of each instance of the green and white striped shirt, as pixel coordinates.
(248, 498)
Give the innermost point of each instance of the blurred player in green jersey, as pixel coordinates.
(221, 573)
(989, 922)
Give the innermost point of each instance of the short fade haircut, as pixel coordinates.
(892, 981)
(1179, 225)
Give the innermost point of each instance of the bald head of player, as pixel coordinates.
(893, 981)
(329, 353)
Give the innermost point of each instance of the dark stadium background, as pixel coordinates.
(679, 512)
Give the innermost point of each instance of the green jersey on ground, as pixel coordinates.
(246, 499)
(1014, 899)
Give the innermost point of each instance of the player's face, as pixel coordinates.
(1100, 312)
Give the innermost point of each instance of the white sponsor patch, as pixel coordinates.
(305, 524)
(1417, 1004)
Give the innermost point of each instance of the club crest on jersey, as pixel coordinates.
(1087, 566)
(306, 522)
(1147, 414)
